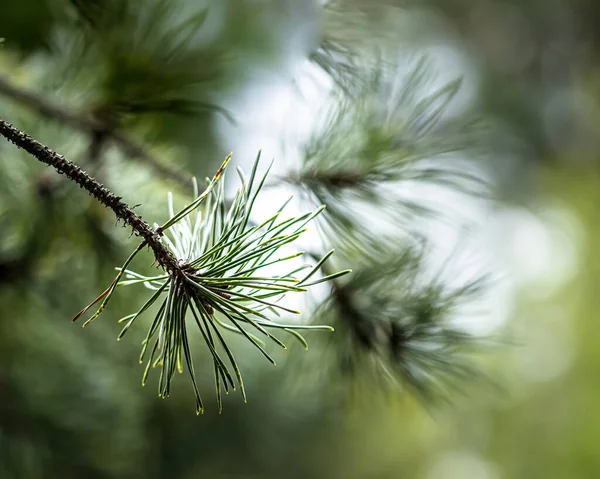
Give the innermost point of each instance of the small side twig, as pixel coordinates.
(92, 126)
(122, 211)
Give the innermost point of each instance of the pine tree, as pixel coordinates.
(122, 90)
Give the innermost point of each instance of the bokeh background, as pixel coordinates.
(514, 101)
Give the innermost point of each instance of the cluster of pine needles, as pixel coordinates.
(222, 284)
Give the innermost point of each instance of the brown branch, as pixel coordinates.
(93, 127)
(45, 155)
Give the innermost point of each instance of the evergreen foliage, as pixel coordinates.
(379, 133)
(116, 81)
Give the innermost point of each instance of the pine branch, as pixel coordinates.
(214, 265)
(91, 126)
(122, 211)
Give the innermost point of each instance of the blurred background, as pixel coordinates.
(456, 146)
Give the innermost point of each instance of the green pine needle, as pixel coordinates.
(223, 280)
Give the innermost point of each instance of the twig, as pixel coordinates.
(91, 126)
(122, 211)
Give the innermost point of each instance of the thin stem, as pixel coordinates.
(91, 126)
(122, 211)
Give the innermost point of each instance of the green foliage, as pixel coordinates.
(156, 69)
(27, 24)
(384, 137)
(401, 322)
(223, 281)
(151, 60)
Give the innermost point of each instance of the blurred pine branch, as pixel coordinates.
(93, 126)
(136, 66)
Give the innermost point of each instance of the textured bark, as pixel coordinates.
(46, 155)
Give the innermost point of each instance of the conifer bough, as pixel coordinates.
(220, 272)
